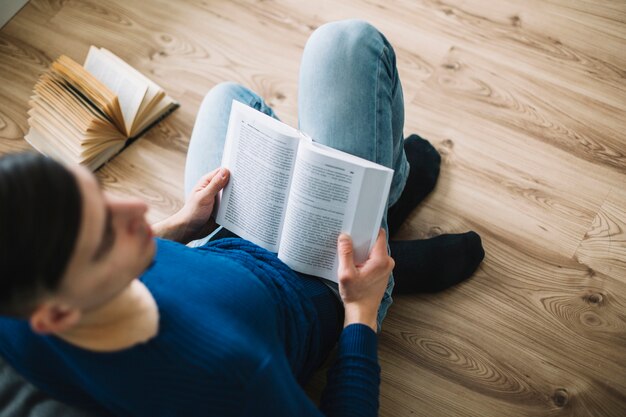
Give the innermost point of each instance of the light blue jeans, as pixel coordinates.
(350, 98)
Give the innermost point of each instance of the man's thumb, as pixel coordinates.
(217, 182)
(345, 251)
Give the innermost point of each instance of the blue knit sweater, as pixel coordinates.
(237, 337)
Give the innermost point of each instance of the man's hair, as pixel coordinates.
(40, 215)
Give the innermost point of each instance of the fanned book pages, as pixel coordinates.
(87, 114)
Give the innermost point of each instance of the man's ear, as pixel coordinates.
(54, 317)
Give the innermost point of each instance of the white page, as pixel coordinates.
(332, 192)
(129, 88)
(153, 92)
(371, 203)
(260, 160)
(322, 202)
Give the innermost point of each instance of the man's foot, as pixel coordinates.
(424, 161)
(435, 264)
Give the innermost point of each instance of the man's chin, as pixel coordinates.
(151, 252)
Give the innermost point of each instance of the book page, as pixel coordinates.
(322, 202)
(163, 107)
(73, 76)
(371, 205)
(372, 200)
(71, 124)
(260, 155)
(151, 106)
(129, 88)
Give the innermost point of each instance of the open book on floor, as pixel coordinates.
(87, 114)
(293, 196)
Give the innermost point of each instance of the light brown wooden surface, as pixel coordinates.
(526, 101)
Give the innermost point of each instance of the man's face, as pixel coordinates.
(114, 246)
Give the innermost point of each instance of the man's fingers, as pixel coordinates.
(214, 181)
(379, 259)
(344, 248)
(206, 178)
(380, 246)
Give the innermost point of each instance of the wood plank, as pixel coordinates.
(543, 110)
(593, 27)
(552, 313)
(482, 150)
(526, 102)
(524, 50)
(604, 245)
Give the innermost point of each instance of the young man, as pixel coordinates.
(114, 321)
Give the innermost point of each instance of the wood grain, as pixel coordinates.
(525, 101)
(604, 245)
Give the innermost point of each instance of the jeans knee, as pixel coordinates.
(346, 45)
(223, 94)
(350, 31)
(346, 35)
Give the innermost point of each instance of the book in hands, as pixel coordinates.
(291, 195)
(87, 114)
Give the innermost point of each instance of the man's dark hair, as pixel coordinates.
(40, 214)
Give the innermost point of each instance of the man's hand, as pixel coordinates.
(194, 220)
(362, 286)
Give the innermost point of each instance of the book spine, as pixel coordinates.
(132, 139)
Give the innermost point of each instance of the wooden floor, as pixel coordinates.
(525, 100)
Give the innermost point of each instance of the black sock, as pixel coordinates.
(435, 264)
(424, 161)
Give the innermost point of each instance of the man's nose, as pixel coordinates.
(128, 208)
(133, 213)
(133, 208)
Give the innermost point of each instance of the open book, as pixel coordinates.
(87, 114)
(293, 196)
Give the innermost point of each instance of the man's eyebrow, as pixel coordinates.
(108, 236)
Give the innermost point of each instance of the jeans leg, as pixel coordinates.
(209, 131)
(206, 145)
(351, 99)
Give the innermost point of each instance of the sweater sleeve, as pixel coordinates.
(352, 388)
(354, 379)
